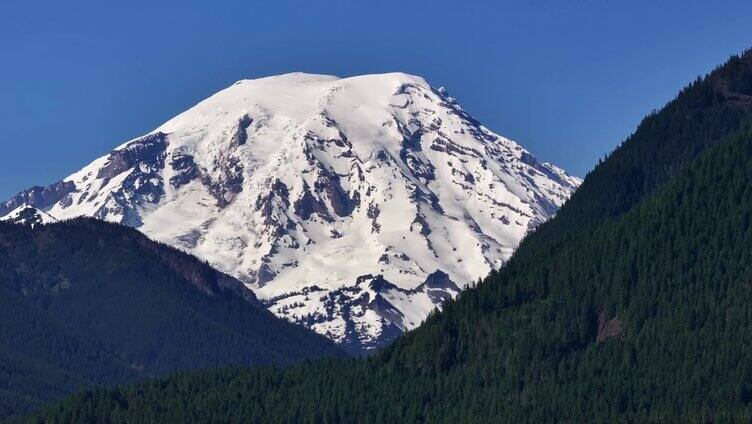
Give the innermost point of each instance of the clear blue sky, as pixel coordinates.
(568, 80)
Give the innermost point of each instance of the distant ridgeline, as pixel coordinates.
(85, 303)
(631, 305)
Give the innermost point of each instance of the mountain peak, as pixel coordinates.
(296, 77)
(305, 77)
(299, 184)
(28, 215)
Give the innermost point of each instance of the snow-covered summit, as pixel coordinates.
(353, 206)
(28, 215)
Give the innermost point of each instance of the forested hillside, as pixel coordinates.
(86, 303)
(631, 305)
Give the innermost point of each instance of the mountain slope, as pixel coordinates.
(638, 313)
(28, 215)
(353, 206)
(88, 303)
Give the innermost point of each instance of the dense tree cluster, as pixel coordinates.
(631, 305)
(86, 303)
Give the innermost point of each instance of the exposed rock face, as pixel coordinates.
(609, 328)
(147, 151)
(352, 206)
(42, 197)
(184, 170)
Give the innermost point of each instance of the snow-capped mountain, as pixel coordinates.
(28, 215)
(353, 206)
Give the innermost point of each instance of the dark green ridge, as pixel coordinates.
(85, 303)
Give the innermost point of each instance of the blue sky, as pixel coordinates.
(568, 80)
